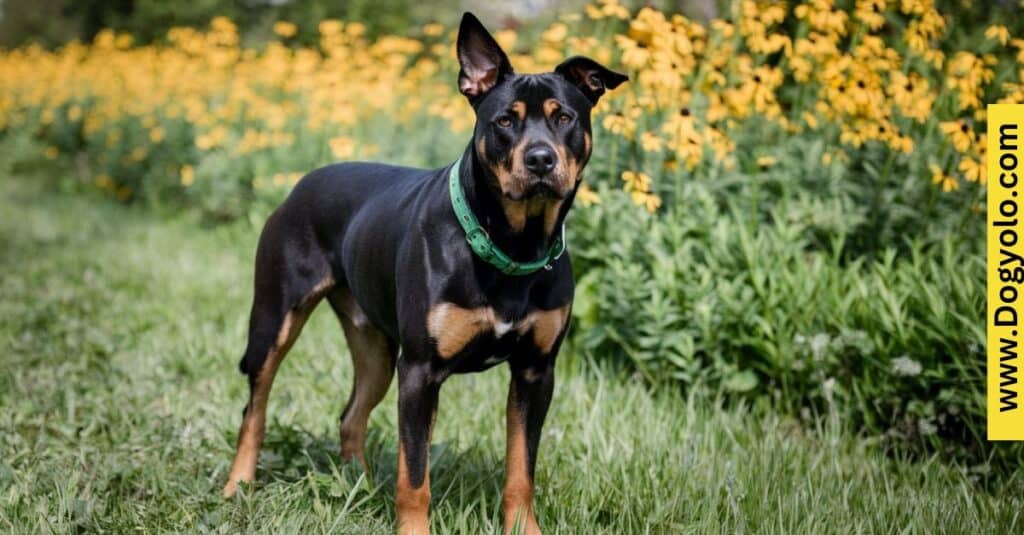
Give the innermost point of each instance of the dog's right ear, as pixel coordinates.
(483, 63)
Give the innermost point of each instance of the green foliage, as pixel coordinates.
(55, 22)
(855, 289)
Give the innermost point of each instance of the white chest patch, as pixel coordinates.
(452, 327)
(501, 328)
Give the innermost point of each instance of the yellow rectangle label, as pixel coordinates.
(1005, 315)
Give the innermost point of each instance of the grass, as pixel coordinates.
(120, 401)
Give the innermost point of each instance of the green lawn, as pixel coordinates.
(120, 399)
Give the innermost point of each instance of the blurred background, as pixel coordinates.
(54, 22)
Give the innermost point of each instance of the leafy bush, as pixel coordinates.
(710, 293)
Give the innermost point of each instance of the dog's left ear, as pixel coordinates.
(589, 76)
(483, 61)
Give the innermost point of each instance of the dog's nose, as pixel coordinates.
(540, 160)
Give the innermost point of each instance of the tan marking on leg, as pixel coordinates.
(452, 326)
(519, 108)
(251, 433)
(372, 375)
(317, 293)
(546, 326)
(350, 308)
(517, 498)
(551, 106)
(412, 505)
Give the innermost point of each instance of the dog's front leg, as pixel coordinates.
(529, 396)
(417, 406)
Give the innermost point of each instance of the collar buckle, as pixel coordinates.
(477, 233)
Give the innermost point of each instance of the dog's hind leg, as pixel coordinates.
(278, 313)
(373, 367)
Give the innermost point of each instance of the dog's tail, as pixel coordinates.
(262, 338)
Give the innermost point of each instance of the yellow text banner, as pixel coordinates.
(1005, 315)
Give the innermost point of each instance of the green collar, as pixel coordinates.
(481, 243)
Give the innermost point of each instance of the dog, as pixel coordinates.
(437, 272)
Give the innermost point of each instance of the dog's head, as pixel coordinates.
(532, 131)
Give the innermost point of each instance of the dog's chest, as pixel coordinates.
(457, 330)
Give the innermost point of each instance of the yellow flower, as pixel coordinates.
(612, 8)
(355, 29)
(973, 170)
(903, 144)
(998, 32)
(634, 55)
(103, 181)
(636, 181)
(960, 134)
(650, 142)
(342, 147)
(156, 135)
(870, 12)
(587, 196)
(765, 162)
(506, 38)
(968, 74)
(433, 29)
(555, 34)
(912, 95)
(811, 120)
(1019, 45)
(52, 152)
(329, 27)
(617, 123)
(123, 41)
(188, 175)
(638, 185)
(649, 201)
(285, 29)
(939, 177)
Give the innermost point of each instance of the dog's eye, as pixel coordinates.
(564, 118)
(504, 122)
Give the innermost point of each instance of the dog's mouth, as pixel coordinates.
(541, 188)
(537, 188)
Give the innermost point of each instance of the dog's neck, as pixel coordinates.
(537, 234)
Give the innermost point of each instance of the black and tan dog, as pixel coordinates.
(420, 289)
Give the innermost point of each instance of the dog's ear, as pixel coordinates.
(483, 63)
(589, 76)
